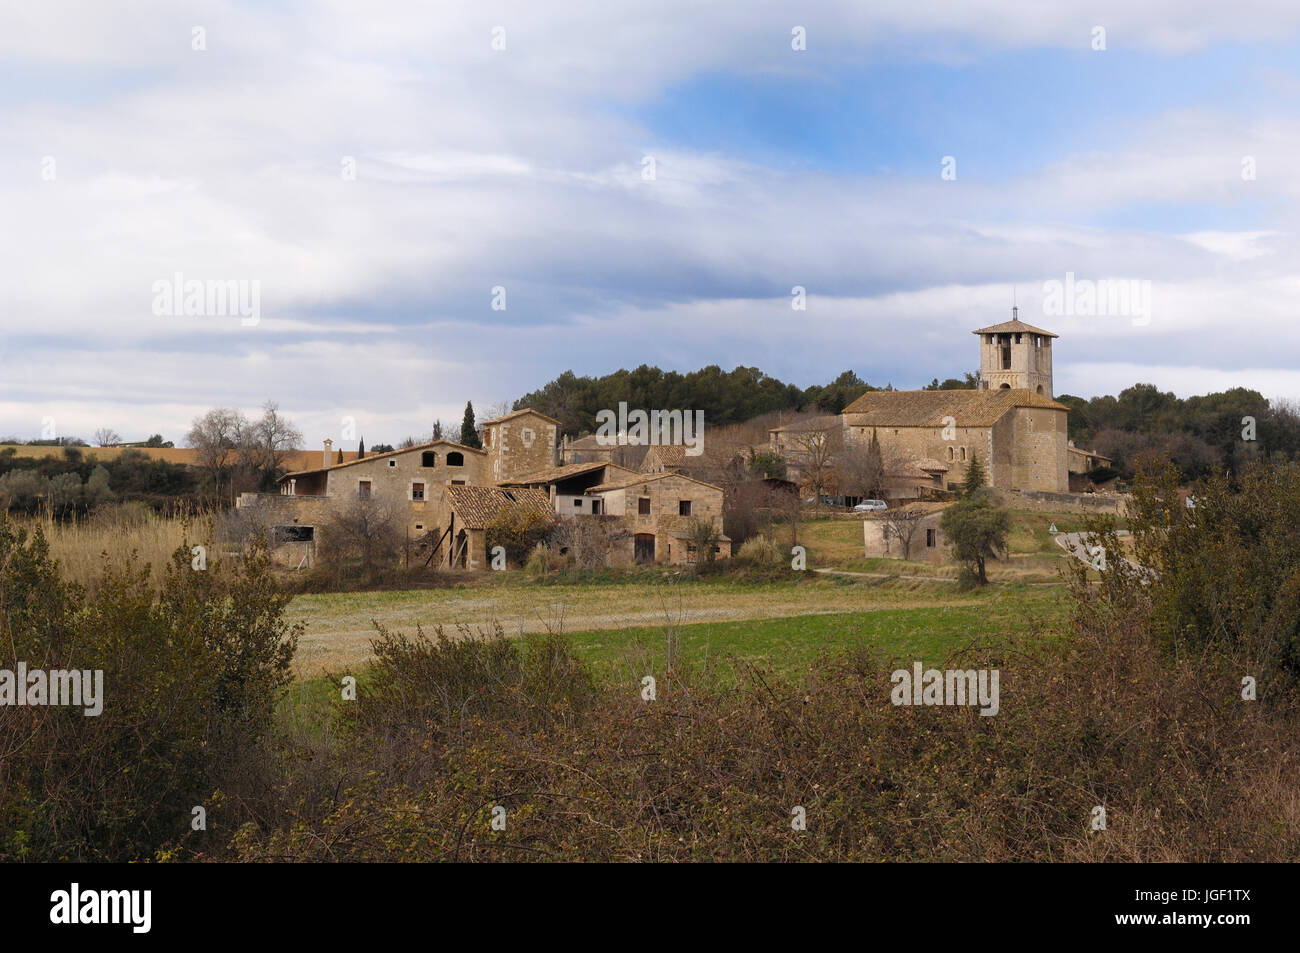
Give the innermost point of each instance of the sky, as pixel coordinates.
(443, 202)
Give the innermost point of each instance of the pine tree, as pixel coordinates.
(361, 449)
(975, 477)
(468, 432)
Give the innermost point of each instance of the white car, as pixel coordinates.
(871, 506)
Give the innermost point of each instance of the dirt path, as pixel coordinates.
(339, 627)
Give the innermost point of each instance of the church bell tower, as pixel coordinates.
(1016, 355)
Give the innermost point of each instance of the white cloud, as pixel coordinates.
(477, 168)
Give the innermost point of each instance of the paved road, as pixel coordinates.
(1075, 545)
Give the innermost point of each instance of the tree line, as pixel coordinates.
(1225, 428)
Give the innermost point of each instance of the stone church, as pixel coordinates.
(928, 437)
(1011, 422)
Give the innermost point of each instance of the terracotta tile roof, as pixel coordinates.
(929, 463)
(476, 506)
(419, 447)
(672, 455)
(1014, 327)
(916, 469)
(817, 422)
(647, 478)
(553, 474)
(517, 413)
(928, 408)
(681, 534)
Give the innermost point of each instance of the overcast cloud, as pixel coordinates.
(128, 156)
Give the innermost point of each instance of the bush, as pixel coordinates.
(539, 562)
(190, 681)
(518, 530)
(760, 551)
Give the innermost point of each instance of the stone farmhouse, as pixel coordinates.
(928, 437)
(448, 494)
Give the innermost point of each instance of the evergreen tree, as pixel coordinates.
(340, 457)
(468, 432)
(975, 476)
(361, 449)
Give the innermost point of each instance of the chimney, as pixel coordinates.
(328, 445)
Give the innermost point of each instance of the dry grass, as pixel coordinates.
(113, 534)
(340, 626)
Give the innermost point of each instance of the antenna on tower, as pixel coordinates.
(1015, 312)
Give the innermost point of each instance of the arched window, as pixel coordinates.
(429, 458)
(950, 455)
(963, 454)
(1040, 388)
(455, 459)
(1005, 387)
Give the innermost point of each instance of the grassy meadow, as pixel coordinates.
(907, 609)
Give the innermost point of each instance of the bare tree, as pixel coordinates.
(216, 436)
(268, 442)
(369, 530)
(588, 539)
(702, 535)
(861, 468)
(107, 437)
(499, 409)
(901, 524)
(816, 447)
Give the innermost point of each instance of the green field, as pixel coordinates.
(789, 644)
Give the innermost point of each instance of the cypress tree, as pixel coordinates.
(468, 432)
(975, 477)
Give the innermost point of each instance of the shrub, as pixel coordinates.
(517, 530)
(539, 562)
(760, 551)
(190, 681)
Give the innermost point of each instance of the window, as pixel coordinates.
(963, 454)
(578, 503)
(417, 491)
(929, 539)
(643, 506)
(455, 459)
(294, 534)
(595, 507)
(950, 455)
(457, 482)
(419, 526)
(429, 458)
(1006, 357)
(392, 463)
(363, 489)
(683, 507)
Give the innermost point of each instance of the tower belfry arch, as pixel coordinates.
(1016, 355)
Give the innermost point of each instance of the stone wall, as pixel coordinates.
(519, 446)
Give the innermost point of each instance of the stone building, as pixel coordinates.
(928, 437)
(1016, 356)
(657, 510)
(1019, 435)
(446, 494)
(518, 443)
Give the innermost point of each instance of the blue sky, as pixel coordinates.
(130, 155)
